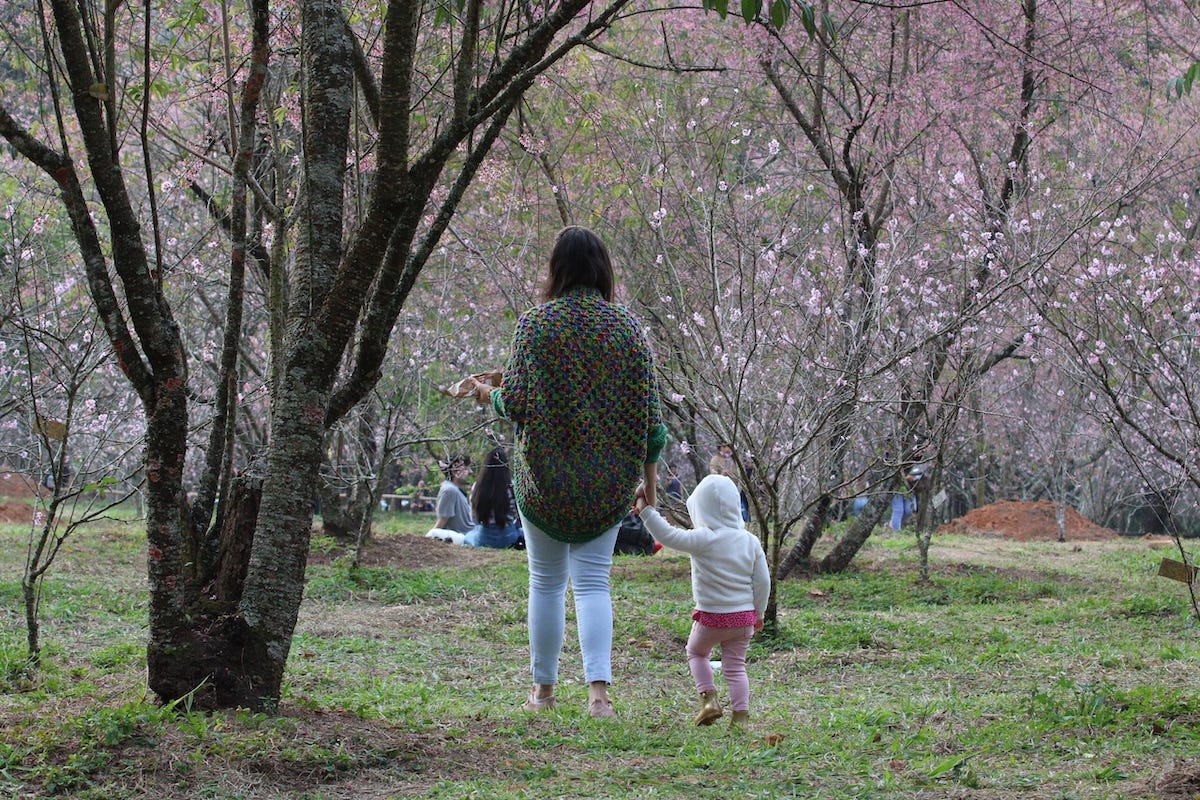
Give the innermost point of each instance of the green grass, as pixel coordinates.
(1020, 670)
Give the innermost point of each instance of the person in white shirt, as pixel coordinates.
(730, 586)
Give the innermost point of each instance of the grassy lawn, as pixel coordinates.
(1022, 670)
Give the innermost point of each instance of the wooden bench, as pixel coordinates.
(404, 502)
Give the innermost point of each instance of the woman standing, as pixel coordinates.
(580, 387)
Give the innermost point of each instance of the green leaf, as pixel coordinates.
(780, 10)
(830, 26)
(101, 485)
(949, 764)
(1180, 85)
(808, 18)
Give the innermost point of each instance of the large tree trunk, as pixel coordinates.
(175, 657)
(215, 636)
(274, 587)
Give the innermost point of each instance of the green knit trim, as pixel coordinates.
(655, 442)
(498, 402)
(568, 538)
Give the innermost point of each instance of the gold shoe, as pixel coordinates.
(739, 719)
(535, 703)
(710, 708)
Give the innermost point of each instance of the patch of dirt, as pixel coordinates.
(14, 484)
(16, 511)
(409, 551)
(367, 759)
(1027, 521)
(1181, 783)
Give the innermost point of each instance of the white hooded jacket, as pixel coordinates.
(729, 568)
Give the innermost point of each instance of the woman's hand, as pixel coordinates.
(482, 391)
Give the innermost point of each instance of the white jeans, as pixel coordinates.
(587, 566)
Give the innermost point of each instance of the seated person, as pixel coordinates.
(494, 505)
(453, 510)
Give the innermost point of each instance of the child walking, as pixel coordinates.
(730, 584)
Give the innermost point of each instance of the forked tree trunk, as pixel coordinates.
(856, 535)
(813, 525)
(205, 657)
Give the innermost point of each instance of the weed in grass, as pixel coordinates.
(324, 544)
(118, 656)
(1071, 703)
(1139, 605)
(957, 769)
(17, 673)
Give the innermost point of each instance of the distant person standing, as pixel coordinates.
(675, 489)
(722, 464)
(580, 386)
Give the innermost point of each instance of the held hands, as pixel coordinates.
(645, 496)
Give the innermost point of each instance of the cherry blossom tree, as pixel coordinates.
(62, 428)
(836, 263)
(429, 86)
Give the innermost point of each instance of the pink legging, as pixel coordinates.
(734, 642)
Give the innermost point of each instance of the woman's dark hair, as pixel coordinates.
(579, 258)
(489, 498)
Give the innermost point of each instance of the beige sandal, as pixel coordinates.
(535, 703)
(601, 709)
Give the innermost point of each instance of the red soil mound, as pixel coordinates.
(1027, 522)
(14, 484)
(16, 512)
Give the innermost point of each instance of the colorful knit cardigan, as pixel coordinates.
(580, 387)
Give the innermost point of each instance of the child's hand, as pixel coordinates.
(758, 626)
(642, 498)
